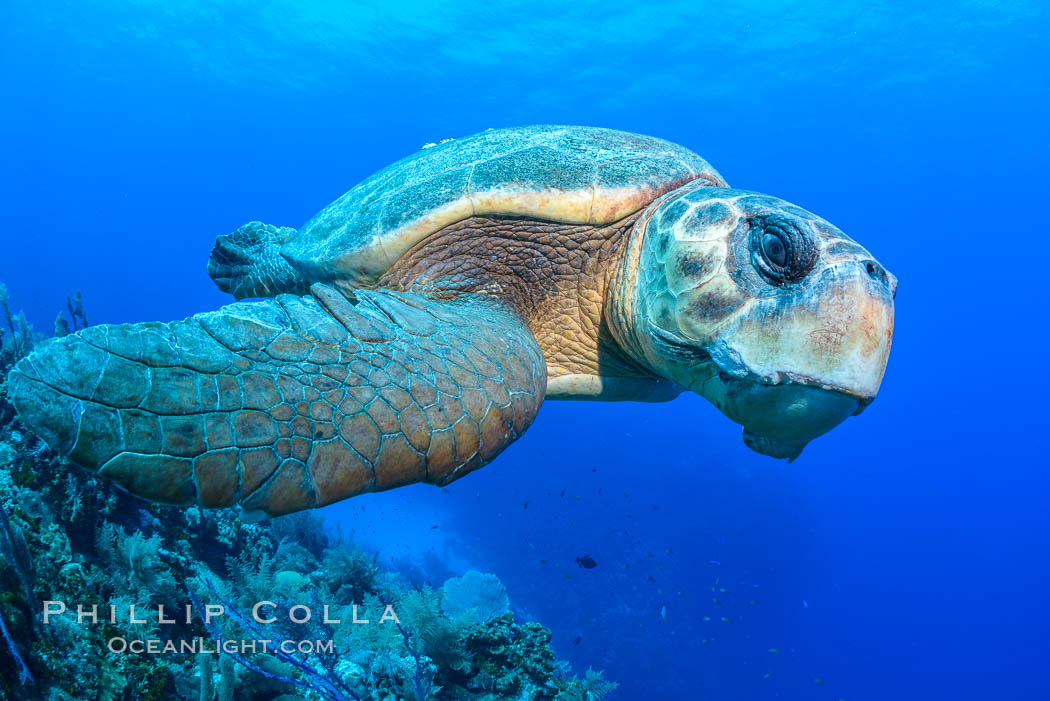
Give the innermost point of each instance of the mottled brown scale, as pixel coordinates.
(715, 305)
(555, 275)
(353, 415)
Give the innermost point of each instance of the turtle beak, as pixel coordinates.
(795, 366)
(834, 334)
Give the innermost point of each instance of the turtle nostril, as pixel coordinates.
(877, 273)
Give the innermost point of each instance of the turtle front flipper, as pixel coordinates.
(291, 403)
(248, 263)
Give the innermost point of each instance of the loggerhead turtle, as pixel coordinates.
(416, 324)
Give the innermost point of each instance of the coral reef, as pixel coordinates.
(116, 576)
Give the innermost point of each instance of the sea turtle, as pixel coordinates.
(415, 325)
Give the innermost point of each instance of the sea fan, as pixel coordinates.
(481, 593)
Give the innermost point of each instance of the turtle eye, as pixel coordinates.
(774, 250)
(780, 249)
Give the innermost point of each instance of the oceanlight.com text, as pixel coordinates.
(198, 646)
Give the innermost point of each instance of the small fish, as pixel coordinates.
(818, 680)
(563, 491)
(586, 562)
(713, 562)
(663, 612)
(433, 527)
(725, 619)
(577, 639)
(767, 675)
(774, 650)
(707, 618)
(755, 602)
(525, 505)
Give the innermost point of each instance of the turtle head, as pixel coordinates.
(771, 313)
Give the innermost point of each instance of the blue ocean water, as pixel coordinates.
(902, 556)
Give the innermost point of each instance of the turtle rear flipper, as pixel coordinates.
(291, 403)
(248, 262)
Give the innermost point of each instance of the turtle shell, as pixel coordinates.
(573, 175)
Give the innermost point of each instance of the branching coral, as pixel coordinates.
(12, 549)
(136, 558)
(593, 687)
(319, 677)
(24, 675)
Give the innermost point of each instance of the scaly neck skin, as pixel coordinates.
(621, 300)
(558, 278)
